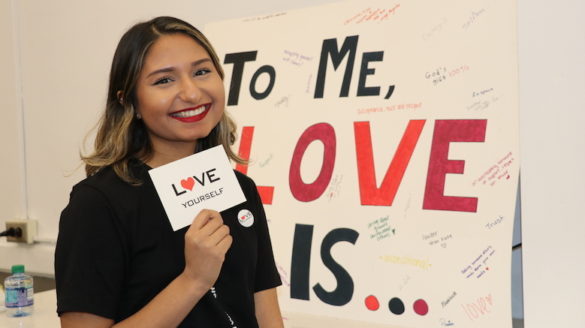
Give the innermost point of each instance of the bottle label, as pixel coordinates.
(19, 297)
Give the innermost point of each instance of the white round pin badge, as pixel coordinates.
(246, 218)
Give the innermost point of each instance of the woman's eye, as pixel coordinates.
(202, 71)
(163, 80)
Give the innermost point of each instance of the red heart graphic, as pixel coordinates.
(188, 183)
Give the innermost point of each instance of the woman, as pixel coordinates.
(118, 261)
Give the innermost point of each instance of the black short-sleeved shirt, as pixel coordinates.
(116, 251)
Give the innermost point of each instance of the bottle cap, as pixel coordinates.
(18, 268)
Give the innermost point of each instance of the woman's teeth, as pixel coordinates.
(189, 113)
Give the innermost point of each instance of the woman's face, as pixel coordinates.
(180, 94)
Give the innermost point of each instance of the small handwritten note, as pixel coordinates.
(482, 92)
(406, 260)
(282, 102)
(334, 187)
(482, 99)
(295, 58)
(266, 161)
(482, 104)
(404, 282)
(495, 222)
(389, 108)
(381, 229)
(458, 70)
(434, 238)
(437, 75)
(498, 171)
(473, 18)
(479, 307)
(371, 15)
(309, 84)
(283, 275)
(435, 30)
(479, 266)
(448, 300)
(260, 18)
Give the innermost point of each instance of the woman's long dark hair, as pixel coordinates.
(120, 135)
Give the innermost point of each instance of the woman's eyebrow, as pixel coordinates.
(170, 69)
(200, 61)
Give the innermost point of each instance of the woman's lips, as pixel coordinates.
(193, 114)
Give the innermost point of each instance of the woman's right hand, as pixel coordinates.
(206, 243)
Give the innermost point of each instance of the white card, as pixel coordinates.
(204, 180)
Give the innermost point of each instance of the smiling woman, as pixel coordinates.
(140, 59)
(118, 261)
(180, 97)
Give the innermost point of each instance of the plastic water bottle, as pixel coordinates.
(19, 293)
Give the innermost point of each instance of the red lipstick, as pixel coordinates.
(192, 114)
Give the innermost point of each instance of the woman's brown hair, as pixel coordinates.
(122, 137)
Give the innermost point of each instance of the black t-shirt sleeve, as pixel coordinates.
(266, 272)
(90, 260)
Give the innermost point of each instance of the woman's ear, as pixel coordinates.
(120, 96)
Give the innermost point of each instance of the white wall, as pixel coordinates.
(552, 119)
(12, 179)
(55, 58)
(10, 122)
(65, 49)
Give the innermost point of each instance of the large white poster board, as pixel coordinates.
(383, 137)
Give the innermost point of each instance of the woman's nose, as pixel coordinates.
(190, 91)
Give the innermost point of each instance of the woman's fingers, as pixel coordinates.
(205, 217)
(206, 243)
(224, 244)
(218, 235)
(205, 224)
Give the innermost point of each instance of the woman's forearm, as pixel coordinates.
(169, 307)
(267, 309)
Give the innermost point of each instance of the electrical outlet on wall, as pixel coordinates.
(26, 231)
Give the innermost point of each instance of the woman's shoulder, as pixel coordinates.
(104, 180)
(109, 185)
(245, 181)
(106, 195)
(242, 177)
(250, 189)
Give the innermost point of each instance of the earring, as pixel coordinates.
(136, 113)
(120, 97)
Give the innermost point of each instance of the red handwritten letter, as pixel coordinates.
(306, 192)
(370, 194)
(447, 131)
